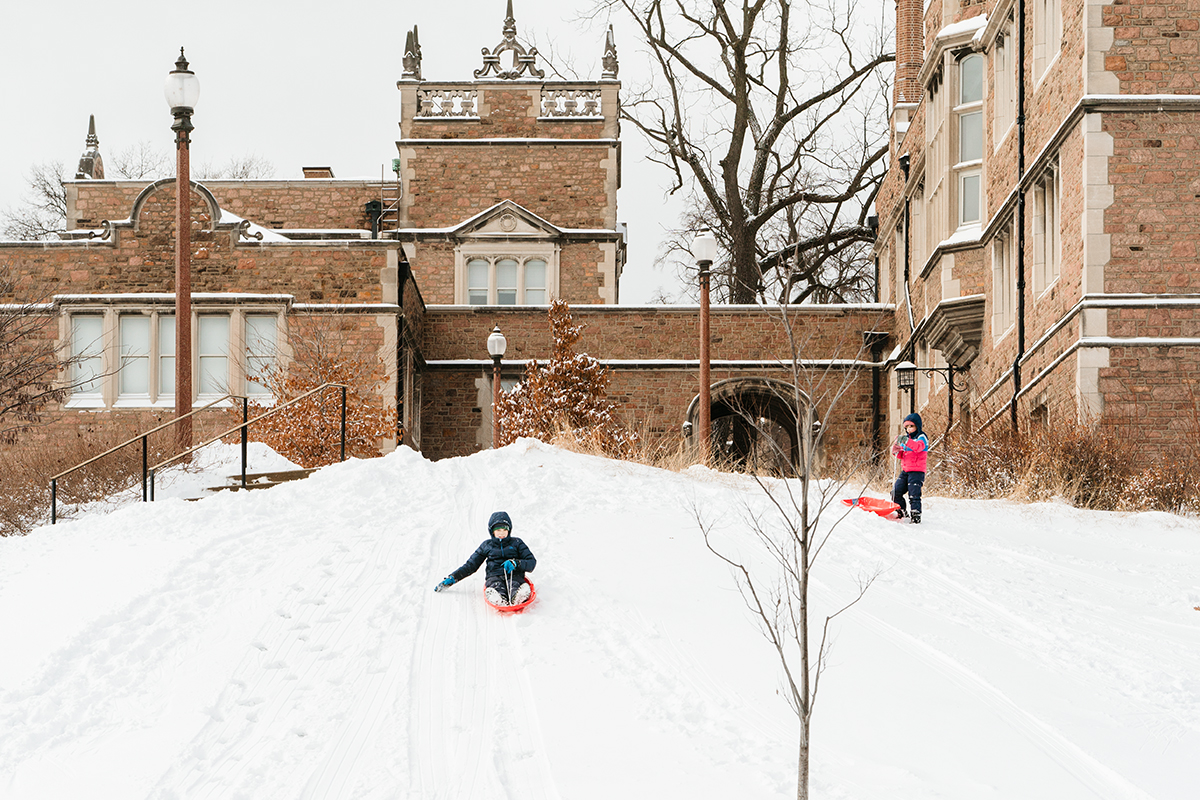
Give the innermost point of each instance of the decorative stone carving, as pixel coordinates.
(91, 165)
(523, 60)
(447, 103)
(559, 102)
(412, 56)
(609, 62)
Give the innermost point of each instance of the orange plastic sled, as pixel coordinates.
(517, 609)
(883, 508)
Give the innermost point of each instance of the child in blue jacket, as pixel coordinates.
(508, 559)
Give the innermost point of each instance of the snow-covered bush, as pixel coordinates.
(564, 396)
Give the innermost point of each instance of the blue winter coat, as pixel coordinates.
(495, 552)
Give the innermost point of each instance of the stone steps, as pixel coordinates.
(262, 480)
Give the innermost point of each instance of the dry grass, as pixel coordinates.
(1096, 466)
(25, 493)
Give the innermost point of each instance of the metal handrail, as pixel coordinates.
(246, 424)
(148, 472)
(144, 436)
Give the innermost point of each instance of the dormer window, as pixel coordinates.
(507, 280)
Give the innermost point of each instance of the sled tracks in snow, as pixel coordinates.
(315, 686)
(473, 729)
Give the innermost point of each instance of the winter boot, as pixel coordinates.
(916, 518)
(900, 514)
(521, 595)
(494, 597)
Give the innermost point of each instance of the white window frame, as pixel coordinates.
(1004, 280)
(90, 352)
(107, 390)
(966, 169)
(1047, 36)
(1004, 79)
(1047, 229)
(493, 253)
(126, 396)
(258, 355)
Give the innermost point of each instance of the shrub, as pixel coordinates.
(309, 432)
(567, 394)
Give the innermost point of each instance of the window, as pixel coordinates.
(260, 351)
(937, 218)
(166, 355)
(1004, 280)
(137, 366)
(535, 282)
(134, 332)
(1004, 101)
(507, 280)
(1046, 230)
(87, 350)
(969, 114)
(916, 210)
(212, 356)
(1047, 34)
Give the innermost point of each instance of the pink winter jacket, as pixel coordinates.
(911, 453)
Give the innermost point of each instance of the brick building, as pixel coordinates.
(505, 197)
(1038, 226)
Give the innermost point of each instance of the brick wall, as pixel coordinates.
(1155, 46)
(566, 184)
(313, 203)
(1155, 219)
(651, 397)
(142, 259)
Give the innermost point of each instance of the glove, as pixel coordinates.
(449, 581)
(509, 566)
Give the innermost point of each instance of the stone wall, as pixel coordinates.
(1155, 46)
(652, 356)
(1154, 220)
(567, 184)
(141, 259)
(303, 204)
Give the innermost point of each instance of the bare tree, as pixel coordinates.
(35, 371)
(769, 114)
(791, 532)
(42, 213)
(142, 161)
(241, 168)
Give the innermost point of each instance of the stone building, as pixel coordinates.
(505, 197)
(1038, 226)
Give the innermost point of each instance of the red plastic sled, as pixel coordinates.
(883, 508)
(517, 609)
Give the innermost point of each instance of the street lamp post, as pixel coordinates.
(704, 248)
(496, 345)
(906, 375)
(182, 90)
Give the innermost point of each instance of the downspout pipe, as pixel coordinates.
(403, 270)
(1016, 369)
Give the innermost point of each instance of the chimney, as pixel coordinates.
(910, 50)
(318, 172)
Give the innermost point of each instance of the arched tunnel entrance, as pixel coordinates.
(753, 424)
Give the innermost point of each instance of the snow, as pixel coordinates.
(288, 644)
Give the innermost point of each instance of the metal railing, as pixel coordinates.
(148, 471)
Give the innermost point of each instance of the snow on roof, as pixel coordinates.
(969, 25)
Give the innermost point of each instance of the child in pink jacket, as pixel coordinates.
(910, 448)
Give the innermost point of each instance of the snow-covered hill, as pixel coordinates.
(288, 644)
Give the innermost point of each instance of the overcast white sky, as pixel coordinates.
(299, 83)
